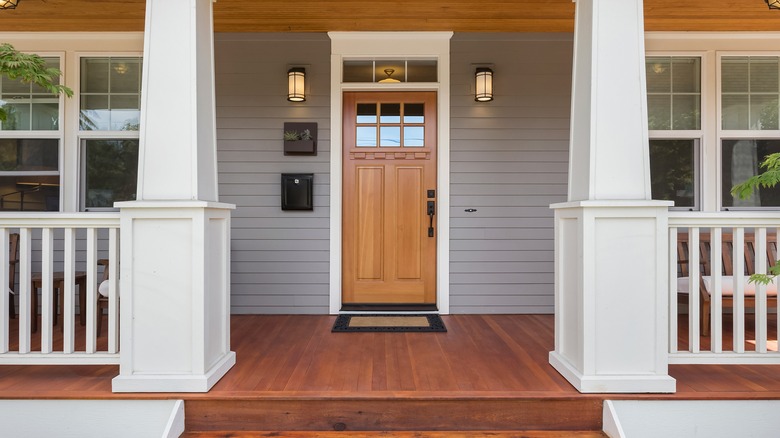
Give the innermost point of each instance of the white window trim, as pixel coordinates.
(386, 45)
(70, 46)
(82, 135)
(712, 45)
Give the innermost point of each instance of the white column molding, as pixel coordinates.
(175, 239)
(611, 319)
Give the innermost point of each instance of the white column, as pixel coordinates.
(175, 239)
(610, 237)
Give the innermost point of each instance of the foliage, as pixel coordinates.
(29, 68)
(768, 178)
(291, 136)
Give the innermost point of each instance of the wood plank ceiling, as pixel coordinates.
(389, 15)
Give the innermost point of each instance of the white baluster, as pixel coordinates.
(25, 293)
(739, 289)
(47, 304)
(69, 266)
(693, 290)
(716, 290)
(113, 290)
(4, 302)
(759, 245)
(673, 318)
(91, 289)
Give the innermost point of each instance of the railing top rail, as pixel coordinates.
(725, 219)
(58, 220)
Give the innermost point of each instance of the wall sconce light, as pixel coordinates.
(8, 4)
(484, 84)
(296, 81)
(773, 4)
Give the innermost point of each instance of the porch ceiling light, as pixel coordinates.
(296, 79)
(773, 4)
(8, 4)
(484, 84)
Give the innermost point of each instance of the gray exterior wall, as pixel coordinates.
(510, 162)
(279, 259)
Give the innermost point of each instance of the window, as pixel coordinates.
(397, 125)
(29, 107)
(673, 171)
(750, 128)
(390, 70)
(110, 102)
(110, 172)
(110, 94)
(739, 161)
(673, 93)
(29, 175)
(750, 87)
(29, 146)
(674, 123)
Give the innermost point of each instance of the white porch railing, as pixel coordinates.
(68, 243)
(696, 245)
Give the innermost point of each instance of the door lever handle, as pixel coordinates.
(431, 213)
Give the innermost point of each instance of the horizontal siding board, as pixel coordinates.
(504, 212)
(284, 310)
(510, 178)
(511, 167)
(501, 233)
(509, 163)
(502, 256)
(516, 244)
(509, 145)
(499, 289)
(280, 289)
(501, 310)
(507, 300)
(278, 278)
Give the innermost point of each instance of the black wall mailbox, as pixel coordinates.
(297, 191)
(300, 138)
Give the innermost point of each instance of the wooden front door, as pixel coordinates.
(389, 222)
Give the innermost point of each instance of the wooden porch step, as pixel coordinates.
(359, 415)
(448, 434)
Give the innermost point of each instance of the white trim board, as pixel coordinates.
(392, 44)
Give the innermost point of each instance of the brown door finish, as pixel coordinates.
(389, 238)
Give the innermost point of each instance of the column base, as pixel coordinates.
(650, 383)
(175, 382)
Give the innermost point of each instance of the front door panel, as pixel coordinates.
(389, 237)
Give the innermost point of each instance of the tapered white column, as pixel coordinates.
(175, 267)
(610, 237)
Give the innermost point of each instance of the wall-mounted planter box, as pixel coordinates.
(301, 147)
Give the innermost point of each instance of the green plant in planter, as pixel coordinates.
(291, 136)
(306, 135)
(29, 68)
(766, 179)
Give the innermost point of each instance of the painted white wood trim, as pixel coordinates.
(403, 45)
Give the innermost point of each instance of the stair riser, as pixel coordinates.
(399, 415)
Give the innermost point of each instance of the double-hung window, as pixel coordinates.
(674, 123)
(30, 141)
(749, 125)
(110, 102)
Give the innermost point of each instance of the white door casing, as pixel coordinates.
(391, 45)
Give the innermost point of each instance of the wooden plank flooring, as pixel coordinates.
(488, 372)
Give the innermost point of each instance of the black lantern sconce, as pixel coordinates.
(8, 4)
(773, 4)
(296, 84)
(483, 85)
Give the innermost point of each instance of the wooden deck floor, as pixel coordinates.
(482, 365)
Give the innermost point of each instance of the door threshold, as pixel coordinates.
(389, 308)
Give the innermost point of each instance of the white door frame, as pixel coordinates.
(391, 45)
